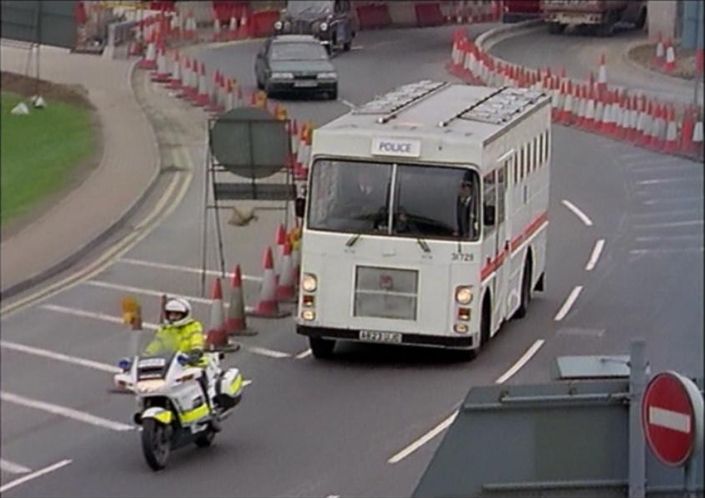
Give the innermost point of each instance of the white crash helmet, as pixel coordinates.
(178, 305)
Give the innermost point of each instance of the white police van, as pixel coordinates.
(425, 219)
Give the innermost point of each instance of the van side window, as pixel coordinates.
(488, 200)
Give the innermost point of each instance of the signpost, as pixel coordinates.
(672, 417)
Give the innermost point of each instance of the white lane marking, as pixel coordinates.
(347, 103)
(34, 475)
(521, 361)
(688, 223)
(246, 383)
(187, 269)
(669, 238)
(667, 251)
(59, 356)
(568, 303)
(140, 231)
(333, 496)
(583, 217)
(65, 412)
(596, 251)
(669, 419)
(304, 354)
(663, 180)
(679, 200)
(149, 326)
(12, 467)
(423, 439)
(357, 47)
(93, 315)
(152, 292)
(268, 352)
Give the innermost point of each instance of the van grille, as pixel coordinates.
(385, 293)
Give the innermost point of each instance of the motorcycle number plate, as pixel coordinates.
(152, 362)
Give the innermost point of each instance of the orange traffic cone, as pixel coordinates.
(267, 306)
(216, 336)
(235, 323)
(286, 288)
(279, 255)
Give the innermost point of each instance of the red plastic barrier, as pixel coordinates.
(163, 5)
(223, 10)
(429, 14)
(373, 16)
(263, 23)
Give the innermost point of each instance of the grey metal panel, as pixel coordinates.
(582, 367)
(45, 22)
(562, 439)
(259, 191)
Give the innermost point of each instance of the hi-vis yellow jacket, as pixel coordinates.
(186, 338)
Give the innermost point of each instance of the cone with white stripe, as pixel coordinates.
(602, 75)
(670, 64)
(216, 336)
(161, 75)
(236, 321)
(175, 82)
(267, 306)
(286, 288)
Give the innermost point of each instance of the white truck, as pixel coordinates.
(425, 219)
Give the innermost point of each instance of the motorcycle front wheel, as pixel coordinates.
(155, 443)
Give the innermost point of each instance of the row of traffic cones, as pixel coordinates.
(279, 281)
(592, 105)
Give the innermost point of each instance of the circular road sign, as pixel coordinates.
(672, 417)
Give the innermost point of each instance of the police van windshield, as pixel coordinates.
(299, 7)
(427, 201)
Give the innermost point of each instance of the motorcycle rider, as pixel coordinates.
(184, 334)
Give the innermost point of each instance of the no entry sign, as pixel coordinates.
(672, 416)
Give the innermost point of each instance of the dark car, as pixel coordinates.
(330, 21)
(295, 63)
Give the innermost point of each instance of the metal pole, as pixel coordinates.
(637, 449)
(204, 232)
(698, 46)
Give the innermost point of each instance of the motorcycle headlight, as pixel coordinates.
(145, 386)
(282, 76)
(463, 295)
(324, 26)
(278, 25)
(309, 282)
(327, 76)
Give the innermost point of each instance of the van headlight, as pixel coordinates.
(309, 283)
(463, 295)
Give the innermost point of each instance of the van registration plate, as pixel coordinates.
(374, 336)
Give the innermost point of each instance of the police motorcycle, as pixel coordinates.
(172, 408)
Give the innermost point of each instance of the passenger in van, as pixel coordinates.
(463, 209)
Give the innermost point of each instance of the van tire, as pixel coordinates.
(321, 348)
(525, 290)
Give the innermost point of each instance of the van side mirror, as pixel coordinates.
(488, 216)
(299, 207)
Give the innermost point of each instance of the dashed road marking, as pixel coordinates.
(568, 303)
(401, 455)
(186, 269)
(59, 356)
(12, 467)
(270, 353)
(34, 475)
(596, 251)
(65, 412)
(583, 217)
(304, 354)
(521, 361)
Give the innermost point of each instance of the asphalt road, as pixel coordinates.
(310, 428)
